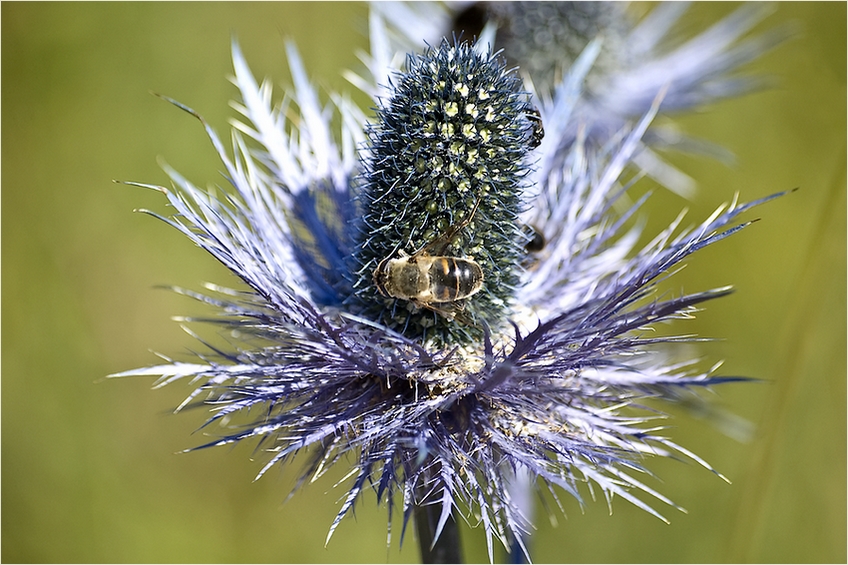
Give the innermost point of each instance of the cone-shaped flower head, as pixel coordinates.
(441, 195)
(545, 38)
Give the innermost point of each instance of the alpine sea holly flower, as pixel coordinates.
(440, 404)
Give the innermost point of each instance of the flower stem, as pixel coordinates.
(447, 548)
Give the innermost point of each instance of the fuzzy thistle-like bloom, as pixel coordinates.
(439, 403)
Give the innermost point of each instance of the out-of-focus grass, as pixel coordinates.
(89, 472)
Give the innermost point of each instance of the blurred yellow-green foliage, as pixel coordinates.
(89, 470)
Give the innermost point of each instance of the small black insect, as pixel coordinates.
(536, 239)
(537, 132)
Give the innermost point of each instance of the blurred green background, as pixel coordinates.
(89, 470)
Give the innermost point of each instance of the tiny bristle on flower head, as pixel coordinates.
(443, 179)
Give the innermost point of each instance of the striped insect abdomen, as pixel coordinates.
(453, 278)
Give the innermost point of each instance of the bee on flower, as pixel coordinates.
(443, 293)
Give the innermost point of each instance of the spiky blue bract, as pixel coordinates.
(447, 149)
(557, 394)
